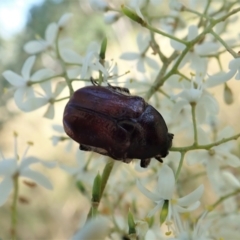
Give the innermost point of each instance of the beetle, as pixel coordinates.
(110, 121)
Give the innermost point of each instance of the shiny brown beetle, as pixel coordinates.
(109, 121)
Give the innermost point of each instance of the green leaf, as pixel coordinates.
(131, 224)
(164, 212)
(103, 49)
(132, 15)
(96, 190)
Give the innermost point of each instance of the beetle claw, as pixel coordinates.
(83, 147)
(94, 82)
(159, 159)
(145, 162)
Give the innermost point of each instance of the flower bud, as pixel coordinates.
(164, 212)
(129, 13)
(228, 95)
(131, 224)
(96, 191)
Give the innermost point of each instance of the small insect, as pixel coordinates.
(110, 121)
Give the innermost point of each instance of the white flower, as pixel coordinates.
(87, 64)
(140, 56)
(58, 138)
(165, 190)
(198, 96)
(175, 5)
(49, 97)
(52, 29)
(197, 63)
(99, 5)
(219, 78)
(23, 84)
(85, 170)
(95, 228)
(12, 167)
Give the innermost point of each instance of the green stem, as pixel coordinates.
(161, 78)
(206, 147)
(224, 44)
(105, 176)
(153, 29)
(179, 166)
(223, 198)
(14, 208)
(193, 106)
(61, 99)
(44, 80)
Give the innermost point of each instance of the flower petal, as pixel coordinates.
(37, 177)
(42, 74)
(188, 209)
(8, 167)
(140, 65)
(194, 157)
(229, 158)
(206, 48)
(27, 67)
(191, 197)
(192, 32)
(230, 180)
(35, 46)
(101, 226)
(166, 182)
(58, 128)
(71, 56)
(155, 209)
(32, 104)
(234, 64)
(154, 197)
(64, 19)
(218, 79)
(13, 78)
(130, 56)
(47, 88)
(152, 63)
(177, 108)
(60, 86)
(51, 33)
(26, 162)
(50, 112)
(6, 187)
(177, 45)
(21, 95)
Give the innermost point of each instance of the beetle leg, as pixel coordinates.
(127, 160)
(94, 82)
(159, 158)
(84, 148)
(145, 162)
(122, 90)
